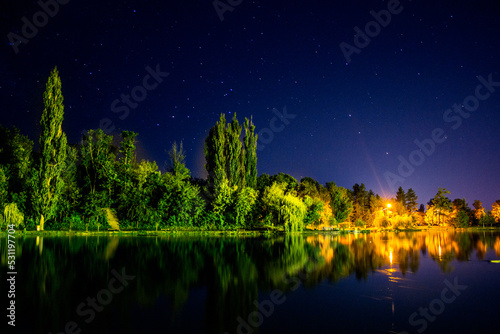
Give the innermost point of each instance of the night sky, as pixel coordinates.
(320, 114)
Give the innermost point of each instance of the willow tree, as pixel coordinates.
(48, 183)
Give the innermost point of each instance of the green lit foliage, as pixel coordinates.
(229, 163)
(340, 203)
(180, 204)
(235, 168)
(250, 147)
(4, 189)
(97, 172)
(462, 219)
(12, 215)
(48, 184)
(486, 220)
(284, 209)
(244, 202)
(308, 187)
(314, 209)
(135, 205)
(227, 157)
(17, 164)
(215, 153)
(263, 181)
(288, 181)
(223, 200)
(312, 194)
(177, 164)
(70, 195)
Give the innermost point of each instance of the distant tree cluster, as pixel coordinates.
(97, 184)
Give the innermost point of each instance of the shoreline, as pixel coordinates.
(242, 232)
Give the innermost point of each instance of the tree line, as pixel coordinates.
(95, 184)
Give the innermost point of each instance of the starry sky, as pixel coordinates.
(328, 104)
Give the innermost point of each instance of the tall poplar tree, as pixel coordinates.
(48, 183)
(227, 157)
(250, 142)
(215, 154)
(234, 148)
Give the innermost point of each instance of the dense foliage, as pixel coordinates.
(99, 184)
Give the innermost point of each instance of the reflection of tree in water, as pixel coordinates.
(60, 273)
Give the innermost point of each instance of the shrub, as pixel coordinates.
(359, 223)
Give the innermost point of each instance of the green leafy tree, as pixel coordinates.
(341, 202)
(411, 200)
(421, 209)
(314, 209)
(243, 205)
(462, 219)
(235, 168)
(70, 196)
(177, 165)
(289, 181)
(16, 156)
(284, 209)
(4, 189)
(215, 153)
(223, 201)
(263, 181)
(309, 187)
(441, 203)
(13, 215)
(250, 142)
(48, 183)
(98, 175)
(401, 196)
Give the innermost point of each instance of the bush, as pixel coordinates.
(403, 222)
(486, 220)
(359, 223)
(75, 223)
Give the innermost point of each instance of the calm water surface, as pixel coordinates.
(432, 282)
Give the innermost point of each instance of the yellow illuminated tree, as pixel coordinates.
(478, 210)
(495, 211)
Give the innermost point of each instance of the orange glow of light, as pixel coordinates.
(389, 205)
(390, 256)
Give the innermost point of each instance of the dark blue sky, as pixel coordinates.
(346, 121)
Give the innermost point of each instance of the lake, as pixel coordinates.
(384, 282)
